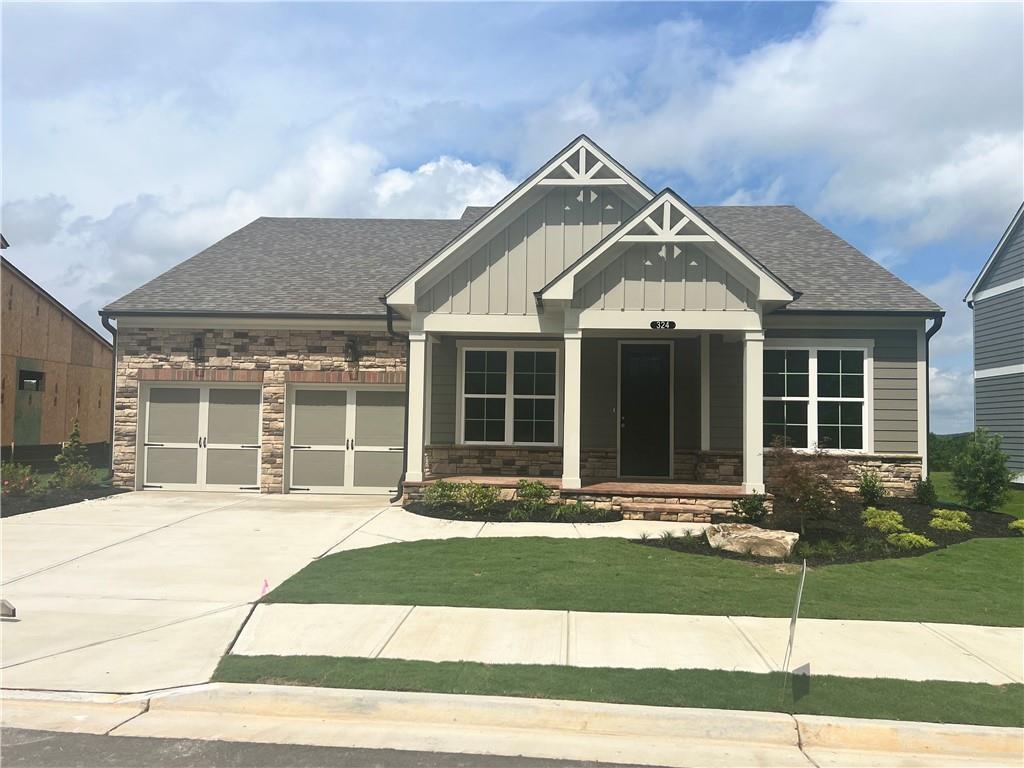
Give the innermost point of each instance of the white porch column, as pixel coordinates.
(417, 389)
(705, 392)
(571, 411)
(753, 412)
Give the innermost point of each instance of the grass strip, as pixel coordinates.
(930, 701)
(980, 581)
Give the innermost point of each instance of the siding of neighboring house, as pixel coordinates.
(999, 343)
(999, 408)
(500, 277)
(1009, 263)
(895, 382)
(999, 330)
(647, 277)
(39, 335)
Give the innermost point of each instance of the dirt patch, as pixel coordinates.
(19, 505)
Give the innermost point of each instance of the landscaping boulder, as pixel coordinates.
(751, 540)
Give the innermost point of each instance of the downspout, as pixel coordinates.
(405, 428)
(105, 320)
(936, 325)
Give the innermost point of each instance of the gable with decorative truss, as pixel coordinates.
(666, 257)
(562, 211)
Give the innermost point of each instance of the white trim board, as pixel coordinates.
(1002, 370)
(970, 296)
(998, 290)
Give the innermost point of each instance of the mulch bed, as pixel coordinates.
(502, 513)
(845, 525)
(19, 505)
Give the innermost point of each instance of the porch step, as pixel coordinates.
(676, 513)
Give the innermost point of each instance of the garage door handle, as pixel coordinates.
(396, 449)
(250, 446)
(302, 446)
(154, 445)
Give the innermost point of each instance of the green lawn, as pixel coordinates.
(978, 582)
(932, 701)
(947, 494)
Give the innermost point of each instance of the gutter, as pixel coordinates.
(105, 320)
(400, 492)
(936, 325)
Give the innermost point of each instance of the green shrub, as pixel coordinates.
(1017, 525)
(73, 468)
(924, 492)
(950, 520)
(908, 541)
(980, 474)
(18, 479)
(478, 499)
(883, 520)
(531, 499)
(870, 488)
(751, 508)
(443, 496)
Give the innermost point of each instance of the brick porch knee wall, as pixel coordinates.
(272, 358)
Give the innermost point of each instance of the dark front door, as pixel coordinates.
(645, 410)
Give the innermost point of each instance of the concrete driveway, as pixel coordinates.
(146, 590)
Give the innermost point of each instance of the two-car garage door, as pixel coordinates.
(207, 437)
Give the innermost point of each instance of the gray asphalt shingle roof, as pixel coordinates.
(342, 266)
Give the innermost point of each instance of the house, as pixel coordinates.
(997, 298)
(585, 329)
(55, 369)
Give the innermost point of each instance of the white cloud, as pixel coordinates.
(905, 113)
(35, 220)
(94, 259)
(952, 401)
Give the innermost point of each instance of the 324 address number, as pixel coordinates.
(663, 325)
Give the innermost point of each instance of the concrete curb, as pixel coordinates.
(495, 725)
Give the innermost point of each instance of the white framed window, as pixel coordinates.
(509, 396)
(818, 394)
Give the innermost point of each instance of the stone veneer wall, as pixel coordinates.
(899, 472)
(493, 460)
(272, 358)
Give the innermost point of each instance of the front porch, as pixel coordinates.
(666, 501)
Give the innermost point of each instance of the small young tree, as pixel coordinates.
(807, 480)
(980, 475)
(73, 468)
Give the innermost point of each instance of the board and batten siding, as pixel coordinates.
(664, 277)
(999, 408)
(999, 330)
(895, 381)
(1009, 263)
(500, 277)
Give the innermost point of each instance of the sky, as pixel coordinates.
(136, 134)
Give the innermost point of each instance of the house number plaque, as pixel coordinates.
(663, 325)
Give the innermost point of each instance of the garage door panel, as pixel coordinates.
(234, 416)
(319, 416)
(232, 466)
(173, 415)
(378, 469)
(380, 418)
(319, 469)
(172, 466)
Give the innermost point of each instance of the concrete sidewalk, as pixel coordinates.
(889, 649)
(494, 725)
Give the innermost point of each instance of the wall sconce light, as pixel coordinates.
(197, 349)
(352, 351)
